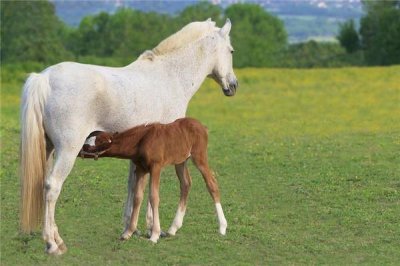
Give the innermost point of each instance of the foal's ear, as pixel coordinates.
(224, 31)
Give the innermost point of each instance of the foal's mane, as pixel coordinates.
(188, 34)
(136, 132)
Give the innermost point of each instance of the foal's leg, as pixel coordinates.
(138, 191)
(200, 160)
(155, 200)
(185, 183)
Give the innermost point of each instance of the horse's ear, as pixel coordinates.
(224, 31)
(212, 23)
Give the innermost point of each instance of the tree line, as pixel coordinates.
(259, 37)
(378, 37)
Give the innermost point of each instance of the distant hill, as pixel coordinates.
(304, 19)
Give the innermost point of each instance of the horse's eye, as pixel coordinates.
(232, 51)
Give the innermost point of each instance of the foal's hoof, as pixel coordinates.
(222, 229)
(127, 234)
(162, 234)
(154, 240)
(172, 231)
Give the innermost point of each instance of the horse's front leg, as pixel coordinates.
(129, 199)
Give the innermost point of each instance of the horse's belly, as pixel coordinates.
(141, 109)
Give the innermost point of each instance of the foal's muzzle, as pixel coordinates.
(232, 87)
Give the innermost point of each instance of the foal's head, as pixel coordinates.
(103, 141)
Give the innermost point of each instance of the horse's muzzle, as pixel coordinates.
(231, 90)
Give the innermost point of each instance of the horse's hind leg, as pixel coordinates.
(200, 159)
(129, 198)
(65, 159)
(138, 191)
(185, 183)
(49, 169)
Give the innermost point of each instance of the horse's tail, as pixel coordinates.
(33, 151)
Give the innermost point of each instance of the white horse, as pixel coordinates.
(63, 104)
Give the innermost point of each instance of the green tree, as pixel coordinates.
(380, 32)
(31, 31)
(127, 33)
(92, 36)
(348, 36)
(257, 36)
(199, 12)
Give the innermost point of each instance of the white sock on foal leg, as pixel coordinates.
(178, 221)
(221, 219)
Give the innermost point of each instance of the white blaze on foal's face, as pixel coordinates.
(91, 141)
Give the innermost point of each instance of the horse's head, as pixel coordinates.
(222, 72)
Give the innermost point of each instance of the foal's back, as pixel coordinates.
(173, 143)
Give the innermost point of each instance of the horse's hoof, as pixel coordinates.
(163, 234)
(55, 250)
(62, 247)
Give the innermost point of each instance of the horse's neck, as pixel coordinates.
(193, 64)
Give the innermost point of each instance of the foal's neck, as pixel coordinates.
(125, 144)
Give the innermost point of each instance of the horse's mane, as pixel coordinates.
(188, 34)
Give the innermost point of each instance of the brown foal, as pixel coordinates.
(151, 147)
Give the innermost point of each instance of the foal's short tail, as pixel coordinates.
(33, 151)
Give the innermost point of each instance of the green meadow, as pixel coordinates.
(308, 164)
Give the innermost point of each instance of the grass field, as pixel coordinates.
(308, 163)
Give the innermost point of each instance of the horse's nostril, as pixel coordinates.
(234, 85)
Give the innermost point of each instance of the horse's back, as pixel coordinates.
(103, 96)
